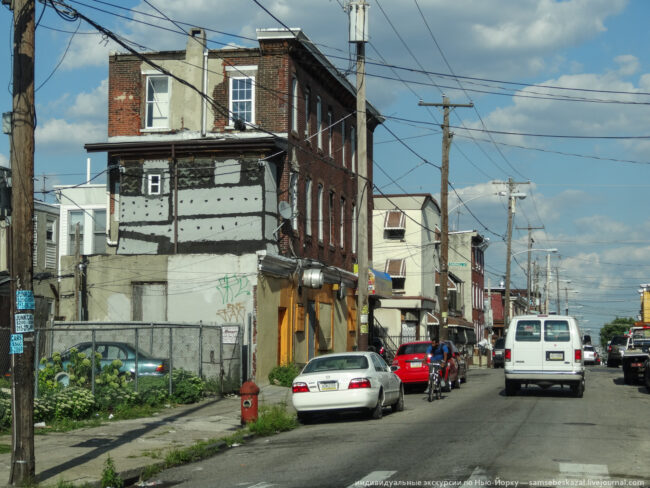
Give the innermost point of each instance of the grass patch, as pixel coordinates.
(5, 448)
(66, 425)
(272, 419)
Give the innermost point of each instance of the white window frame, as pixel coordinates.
(308, 207)
(293, 195)
(343, 143)
(319, 122)
(321, 196)
(162, 104)
(99, 234)
(307, 111)
(72, 232)
(353, 149)
(342, 224)
(294, 108)
(232, 101)
(154, 188)
(329, 133)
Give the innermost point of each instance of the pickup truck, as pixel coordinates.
(635, 358)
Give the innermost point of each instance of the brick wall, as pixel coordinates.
(125, 96)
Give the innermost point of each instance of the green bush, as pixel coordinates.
(272, 419)
(110, 477)
(5, 412)
(152, 390)
(186, 386)
(284, 375)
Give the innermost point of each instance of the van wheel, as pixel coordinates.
(511, 388)
(578, 389)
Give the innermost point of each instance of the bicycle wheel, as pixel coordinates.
(431, 390)
(438, 389)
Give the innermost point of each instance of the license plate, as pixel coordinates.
(636, 365)
(416, 364)
(498, 354)
(555, 356)
(328, 386)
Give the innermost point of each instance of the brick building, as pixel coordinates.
(238, 166)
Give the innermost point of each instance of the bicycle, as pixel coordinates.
(435, 387)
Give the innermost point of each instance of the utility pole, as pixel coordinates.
(358, 12)
(22, 242)
(528, 275)
(536, 285)
(444, 215)
(557, 276)
(548, 283)
(511, 211)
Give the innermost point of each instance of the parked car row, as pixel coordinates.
(364, 382)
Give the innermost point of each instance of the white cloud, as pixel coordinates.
(58, 135)
(4, 160)
(87, 51)
(628, 64)
(91, 105)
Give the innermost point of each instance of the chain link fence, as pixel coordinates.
(212, 352)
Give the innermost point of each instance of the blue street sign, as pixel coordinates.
(24, 300)
(16, 344)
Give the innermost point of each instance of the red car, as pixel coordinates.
(410, 363)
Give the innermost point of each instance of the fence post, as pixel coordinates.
(92, 364)
(137, 347)
(36, 361)
(171, 361)
(221, 361)
(201, 349)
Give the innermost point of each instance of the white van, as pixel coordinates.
(544, 350)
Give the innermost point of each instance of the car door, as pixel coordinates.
(388, 379)
(557, 345)
(527, 353)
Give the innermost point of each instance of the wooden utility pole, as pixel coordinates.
(359, 35)
(22, 242)
(528, 275)
(512, 196)
(443, 331)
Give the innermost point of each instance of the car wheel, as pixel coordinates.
(511, 388)
(458, 382)
(398, 406)
(304, 417)
(627, 376)
(610, 364)
(378, 411)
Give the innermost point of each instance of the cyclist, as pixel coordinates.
(438, 351)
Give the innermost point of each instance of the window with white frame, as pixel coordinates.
(330, 218)
(157, 116)
(242, 98)
(75, 217)
(342, 224)
(320, 212)
(99, 232)
(308, 207)
(353, 149)
(50, 244)
(154, 184)
(307, 112)
(343, 143)
(354, 229)
(329, 133)
(294, 107)
(293, 195)
(319, 122)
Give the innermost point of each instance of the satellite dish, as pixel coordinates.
(285, 210)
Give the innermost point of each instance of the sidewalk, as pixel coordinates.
(78, 456)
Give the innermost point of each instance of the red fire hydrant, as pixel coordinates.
(249, 392)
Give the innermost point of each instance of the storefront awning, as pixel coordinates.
(379, 284)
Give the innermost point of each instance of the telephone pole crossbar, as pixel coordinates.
(444, 217)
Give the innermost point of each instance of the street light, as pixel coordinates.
(551, 250)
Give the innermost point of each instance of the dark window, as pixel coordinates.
(528, 331)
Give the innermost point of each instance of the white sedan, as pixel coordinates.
(589, 354)
(347, 381)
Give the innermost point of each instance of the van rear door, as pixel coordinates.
(527, 354)
(557, 345)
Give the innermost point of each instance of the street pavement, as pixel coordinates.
(79, 456)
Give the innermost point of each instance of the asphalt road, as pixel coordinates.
(474, 436)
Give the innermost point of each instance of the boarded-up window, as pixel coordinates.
(325, 326)
(150, 302)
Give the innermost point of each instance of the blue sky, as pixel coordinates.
(523, 63)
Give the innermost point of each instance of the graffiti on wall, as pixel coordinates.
(232, 286)
(234, 312)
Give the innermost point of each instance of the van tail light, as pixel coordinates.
(578, 355)
(359, 383)
(508, 355)
(300, 388)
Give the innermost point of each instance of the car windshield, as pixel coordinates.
(589, 348)
(641, 335)
(336, 363)
(413, 348)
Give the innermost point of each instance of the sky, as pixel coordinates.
(561, 94)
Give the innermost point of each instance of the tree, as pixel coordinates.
(618, 326)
